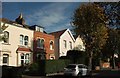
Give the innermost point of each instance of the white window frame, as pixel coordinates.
(21, 40)
(25, 59)
(51, 45)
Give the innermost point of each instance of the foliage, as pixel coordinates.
(112, 11)
(113, 43)
(12, 72)
(76, 56)
(43, 67)
(90, 20)
(2, 28)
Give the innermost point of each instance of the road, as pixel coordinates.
(94, 74)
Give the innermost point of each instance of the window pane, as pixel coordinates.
(22, 56)
(70, 43)
(5, 59)
(26, 40)
(65, 44)
(41, 43)
(26, 61)
(22, 62)
(6, 37)
(38, 43)
(51, 45)
(27, 56)
(21, 39)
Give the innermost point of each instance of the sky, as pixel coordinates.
(53, 16)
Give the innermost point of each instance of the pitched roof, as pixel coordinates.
(12, 22)
(6, 20)
(58, 33)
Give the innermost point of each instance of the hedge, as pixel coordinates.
(53, 66)
(12, 72)
(44, 67)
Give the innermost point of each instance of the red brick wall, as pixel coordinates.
(47, 38)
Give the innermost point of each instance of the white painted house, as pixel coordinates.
(79, 44)
(16, 49)
(64, 41)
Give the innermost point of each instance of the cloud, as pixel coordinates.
(52, 15)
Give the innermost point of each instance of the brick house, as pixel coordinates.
(43, 44)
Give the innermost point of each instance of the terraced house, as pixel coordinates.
(64, 41)
(43, 44)
(16, 49)
(24, 44)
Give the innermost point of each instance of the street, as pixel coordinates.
(94, 74)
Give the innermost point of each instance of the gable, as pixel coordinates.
(68, 33)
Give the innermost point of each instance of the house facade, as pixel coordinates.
(64, 41)
(43, 44)
(16, 48)
(79, 44)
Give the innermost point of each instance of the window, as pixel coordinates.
(70, 44)
(26, 40)
(22, 59)
(6, 37)
(5, 59)
(25, 58)
(51, 45)
(40, 43)
(21, 39)
(39, 29)
(65, 44)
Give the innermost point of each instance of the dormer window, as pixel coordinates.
(40, 29)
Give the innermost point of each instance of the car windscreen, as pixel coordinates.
(71, 66)
(82, 66)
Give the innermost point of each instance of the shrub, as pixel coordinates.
(43, 67)
(12, 72)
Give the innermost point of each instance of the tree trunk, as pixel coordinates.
(90, 61)
(113, 60)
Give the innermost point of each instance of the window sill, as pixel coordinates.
(23, 45)
(6, 43)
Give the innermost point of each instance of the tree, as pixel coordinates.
(2, 28)
(76, 56)
(112, 46)
(90, 20)
(112, 11)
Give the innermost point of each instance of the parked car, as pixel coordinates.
(76, 70)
